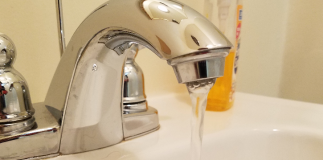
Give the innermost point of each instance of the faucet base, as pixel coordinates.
(42, 139)
(13, 128)
(44, 157)
(142, 134)
(142, 123)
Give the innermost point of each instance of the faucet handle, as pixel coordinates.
(16, 111)
(7, 51)
(134, 98)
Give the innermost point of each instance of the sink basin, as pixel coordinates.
(256, 128)
(264, 145)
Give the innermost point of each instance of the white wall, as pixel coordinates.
(281, 51)
(302, 74)
(262, 47)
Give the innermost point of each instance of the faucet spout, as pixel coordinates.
(87, 87)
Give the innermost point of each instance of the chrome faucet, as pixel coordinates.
(83, 109)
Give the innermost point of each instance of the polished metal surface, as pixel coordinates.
(7, 51)
(129, 108)
(15, 105)
(198, 66)
(7, 129)
(93, 116)
(133, 88)
(165, 10)
(45, 157)
(15, 102)
(137, 124)
(138, 119)
(87, 88)
(60, 26)
(42, 140)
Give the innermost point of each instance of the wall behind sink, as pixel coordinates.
(281, 53)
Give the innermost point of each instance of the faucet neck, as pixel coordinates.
(87, 85)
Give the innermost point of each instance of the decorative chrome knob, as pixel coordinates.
(7, 51)
(16, 111)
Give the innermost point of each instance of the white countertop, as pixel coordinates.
(250, 114)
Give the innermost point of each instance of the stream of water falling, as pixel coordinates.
(198, 92)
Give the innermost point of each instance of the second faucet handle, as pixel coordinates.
(134, 98)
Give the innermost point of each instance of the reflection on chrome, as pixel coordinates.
(163, 8)
(83, 109)
(16, 111)
(177, 6)
(134, 98)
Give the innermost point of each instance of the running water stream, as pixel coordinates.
(198, 91)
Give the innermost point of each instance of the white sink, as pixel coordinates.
(264, 145)
(256, 128)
